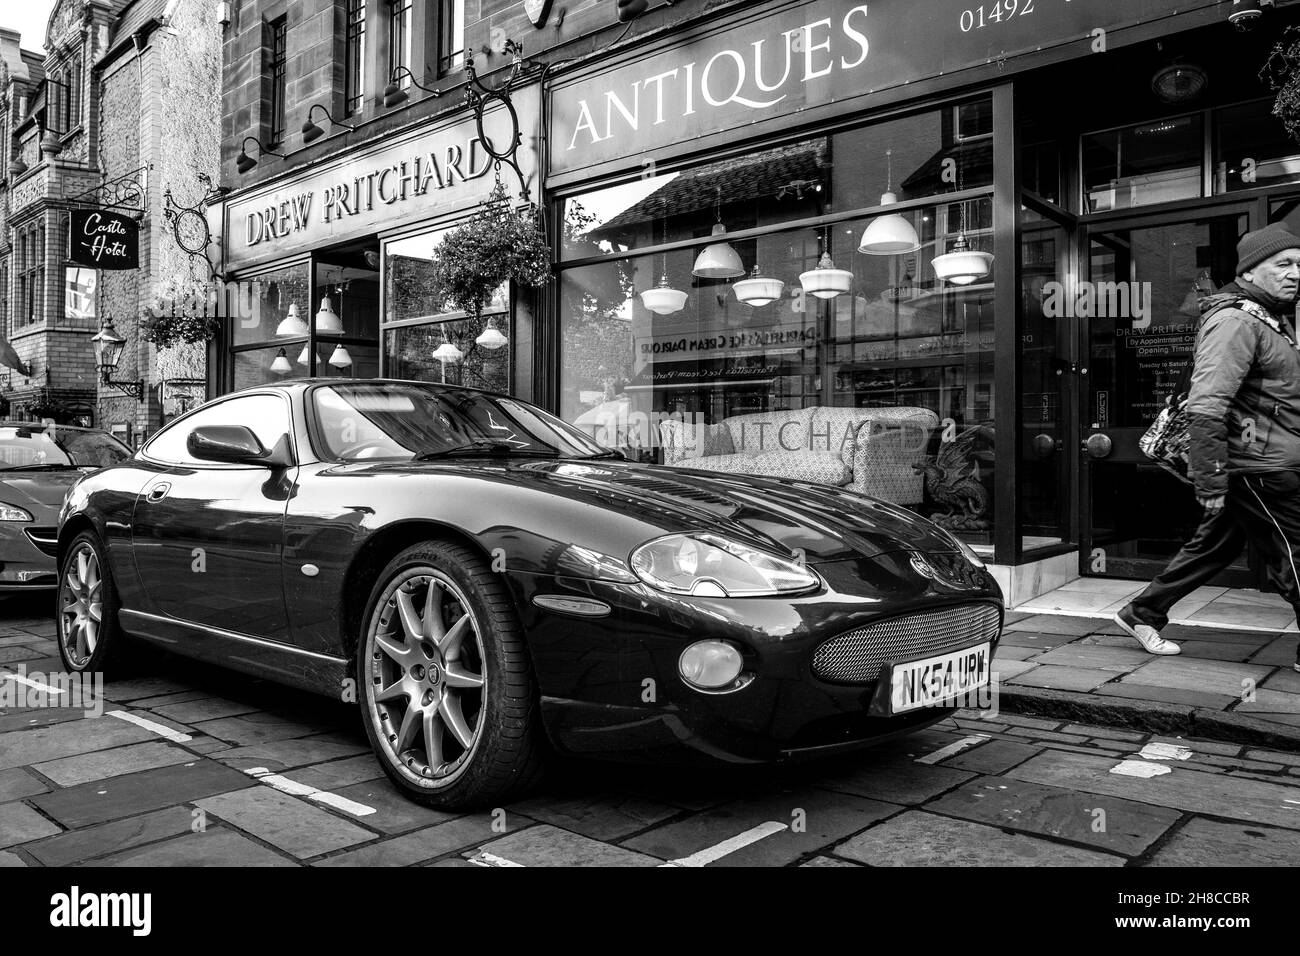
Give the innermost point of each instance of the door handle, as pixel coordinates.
(1098, 445)
(159, 491)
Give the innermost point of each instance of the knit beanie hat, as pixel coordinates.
(1262, 244)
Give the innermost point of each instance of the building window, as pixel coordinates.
(354, 57)
(31, 274)
(399, 40)
(4, 297)
(451, 42)
(278, 60)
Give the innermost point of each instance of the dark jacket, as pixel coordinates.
(1244, 403)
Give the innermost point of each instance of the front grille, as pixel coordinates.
(857, 656)
(45, 539)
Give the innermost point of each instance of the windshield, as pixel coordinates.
(408, 420)
(50, 447)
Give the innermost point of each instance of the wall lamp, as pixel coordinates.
(394, 95)
(245, 162)
(108, 352)
(311, 132)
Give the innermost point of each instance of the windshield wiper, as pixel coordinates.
(44, 466)
(603, 455)
(479, 448)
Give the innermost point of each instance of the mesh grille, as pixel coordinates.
(856, 656)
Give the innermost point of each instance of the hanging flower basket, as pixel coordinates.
(1281, 73)
(497, 244)
(165, 331)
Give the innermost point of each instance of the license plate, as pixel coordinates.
(934, 680)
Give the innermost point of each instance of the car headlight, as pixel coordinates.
(967, 551)
(707, 565)
(10, 512)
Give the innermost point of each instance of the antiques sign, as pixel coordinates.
(765, 64)
(101, 239)
(398, 180)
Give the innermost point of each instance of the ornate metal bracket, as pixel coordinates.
(190, 223)
(131, 389)
(479, 97)
(128, 192)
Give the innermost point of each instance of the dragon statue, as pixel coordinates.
(953, 480)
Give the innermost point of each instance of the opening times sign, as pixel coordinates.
(102, 239)
(813, 54)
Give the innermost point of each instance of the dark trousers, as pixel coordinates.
(1262, 507)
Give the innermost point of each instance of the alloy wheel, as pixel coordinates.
(81, 605)
(426, 677)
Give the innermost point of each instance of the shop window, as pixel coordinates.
(1252, 148)
(333, 360)
(258, 305)
(278, 30)
(354, 56)
(399, 40)
(1156, 162)
(915, 156)
(451, 36)
(417, 325)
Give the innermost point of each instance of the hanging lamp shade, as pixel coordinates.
(446, 352)
(304, 357)
(890, 235)
(292, 324)
(826, 282)
(663, 299)
(718, 260)
(341, 358)
(281, 364)
(758, 290)
(327, 320)
(962, 265)
(491, 337)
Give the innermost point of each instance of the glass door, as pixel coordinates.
(1138, 313)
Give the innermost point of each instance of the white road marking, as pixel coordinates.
(738, 842)
(175, 736)
(29, 682)
(1140, 768)
(943, 753)
(490, 859)
(1159, 751)
(285, 785)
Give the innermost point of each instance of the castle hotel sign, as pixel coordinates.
(420, 175)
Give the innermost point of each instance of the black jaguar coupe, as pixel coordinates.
(489, 584)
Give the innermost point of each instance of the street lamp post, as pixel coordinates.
(108, 352)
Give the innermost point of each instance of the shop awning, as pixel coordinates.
(9, 358)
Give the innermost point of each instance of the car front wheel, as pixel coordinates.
(87, 610)
(448, 697)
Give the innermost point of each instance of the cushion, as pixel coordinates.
(835, 429)
(690, 440)
(761, 432)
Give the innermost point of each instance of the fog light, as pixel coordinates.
(710, 664)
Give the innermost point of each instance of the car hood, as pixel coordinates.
(822, 522)
(38, 491)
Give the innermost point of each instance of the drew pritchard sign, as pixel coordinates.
(101, 239)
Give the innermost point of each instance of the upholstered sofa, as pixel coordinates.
(868, 450)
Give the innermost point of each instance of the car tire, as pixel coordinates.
(460, 746)
(89, 636)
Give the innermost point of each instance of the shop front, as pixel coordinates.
(328, 266)
(949, 258)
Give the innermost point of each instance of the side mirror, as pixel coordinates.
(233, 444)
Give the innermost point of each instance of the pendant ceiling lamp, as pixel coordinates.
(327, 320)
(663, 299)
(341, 358)
(718, 260)
(758, 290)
(826, 282)
(292, 324)
(962, 265)
(446, 352)
(890, 235)
(281, 364)
(304, 357)
(491, 337)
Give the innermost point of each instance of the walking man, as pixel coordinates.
(1244, 417)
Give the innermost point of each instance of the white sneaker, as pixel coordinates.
(1147, 636)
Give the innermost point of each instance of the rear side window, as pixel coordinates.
(266, 415)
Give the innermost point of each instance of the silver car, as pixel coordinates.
(38, 464)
